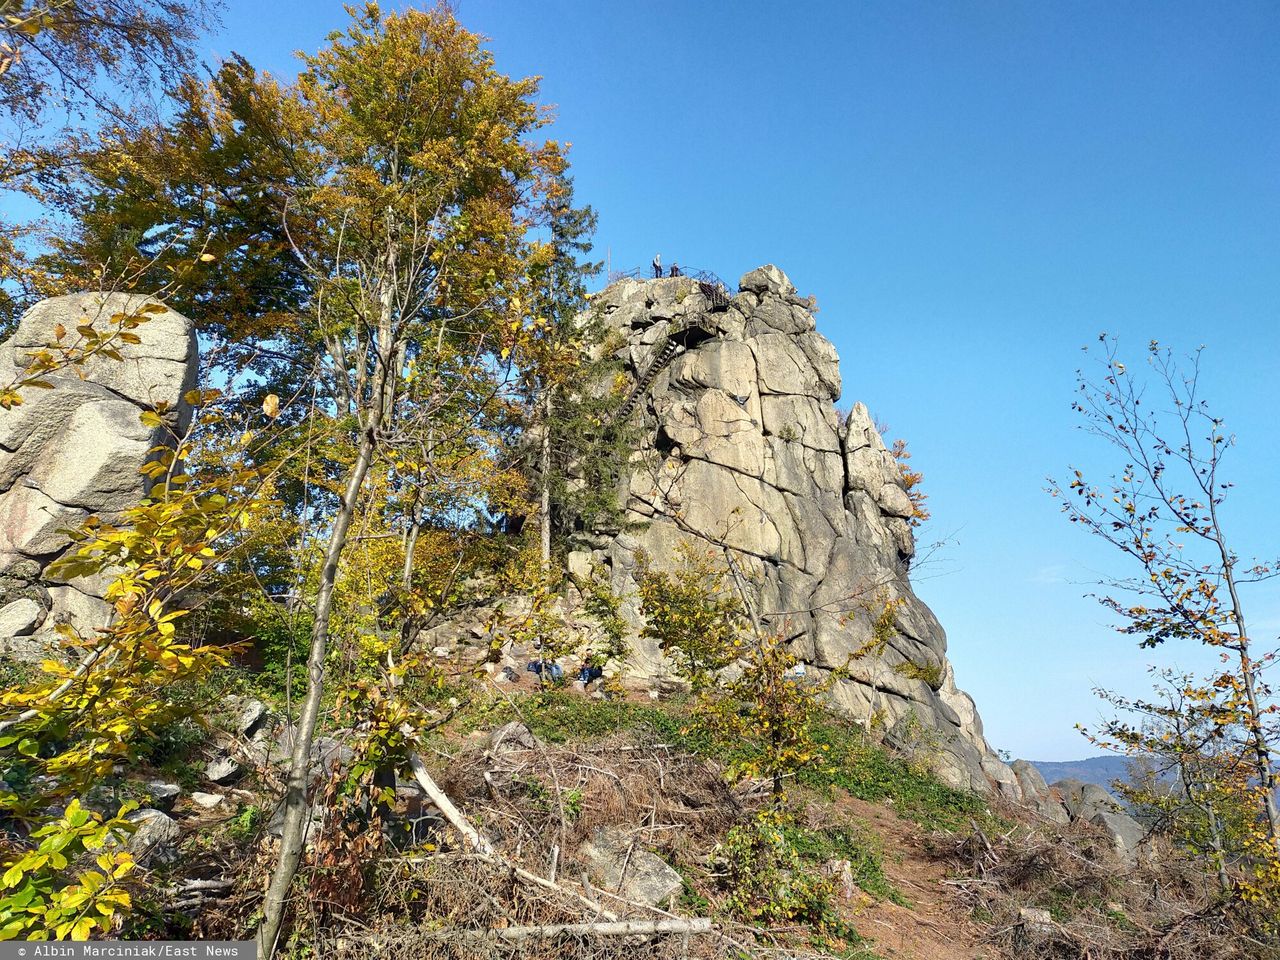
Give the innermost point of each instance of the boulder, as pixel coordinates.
(841, 872)
(1092, 804)
(1030, 779)
(329, 754)
(20, 617)
(1126, 834)
(740, 446)
(1083, 800)
(511, 737)
(162, 795)
(223, 769)
(248, 715)
(315, 821)
(75, 450)
(621, 866)
(155, 837)
(1036, 794)
(767, 279)
(1035, 924)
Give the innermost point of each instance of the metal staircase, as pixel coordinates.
(692, 331)
(716, 294)
(670, 348)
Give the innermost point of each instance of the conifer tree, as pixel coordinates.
(568, 374)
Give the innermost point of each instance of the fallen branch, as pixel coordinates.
(621, 928)
(484, 849)
(446, 806)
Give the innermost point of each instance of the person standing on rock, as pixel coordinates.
(675, 269)
(657, 266)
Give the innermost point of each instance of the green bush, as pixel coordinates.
(768, 881)
(869, 772)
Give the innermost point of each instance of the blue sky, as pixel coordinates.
(973, 191)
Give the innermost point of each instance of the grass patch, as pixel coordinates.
(852, 842)
(866, 770)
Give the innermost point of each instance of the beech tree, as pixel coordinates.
(410, 194)
(1163, 509)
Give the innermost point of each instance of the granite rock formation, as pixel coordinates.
(743, 451)
(75, 450)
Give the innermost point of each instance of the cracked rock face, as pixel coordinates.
(744, 449)
(75, 450)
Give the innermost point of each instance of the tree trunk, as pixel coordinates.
(1248, 675)
(296, 801)
(1190, 786)
(544, 509)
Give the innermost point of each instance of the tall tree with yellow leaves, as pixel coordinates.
(69, 70)
(412, 174)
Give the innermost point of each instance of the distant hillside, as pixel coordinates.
(1100, 770)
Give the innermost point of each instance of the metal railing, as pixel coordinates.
(645, 273)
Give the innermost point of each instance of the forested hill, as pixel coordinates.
(1100, 770)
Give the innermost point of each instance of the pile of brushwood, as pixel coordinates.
(574, 803)
(1048, 891)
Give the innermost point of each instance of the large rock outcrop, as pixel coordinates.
(743, 449)
(76, 449)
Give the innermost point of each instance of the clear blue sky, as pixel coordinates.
(973, 191)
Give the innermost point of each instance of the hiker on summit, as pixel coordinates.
(675, 270)
(657, 266)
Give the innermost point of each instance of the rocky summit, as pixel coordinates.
(75, 450)
(742, 450)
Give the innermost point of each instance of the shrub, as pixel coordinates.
(767, 880)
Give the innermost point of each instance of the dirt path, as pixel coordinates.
(935, 926)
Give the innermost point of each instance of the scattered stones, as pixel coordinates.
(206, 801)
